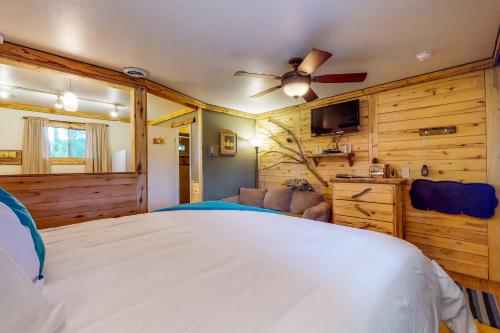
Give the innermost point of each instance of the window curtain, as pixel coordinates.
(96, 148)
(36, 150)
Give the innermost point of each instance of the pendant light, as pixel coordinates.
(70, 100)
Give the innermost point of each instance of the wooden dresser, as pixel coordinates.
(369, 203)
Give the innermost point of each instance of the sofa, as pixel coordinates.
(308, 205)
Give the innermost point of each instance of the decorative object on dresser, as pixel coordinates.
(228, 143)
(374, 204)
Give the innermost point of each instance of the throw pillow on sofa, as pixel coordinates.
(278, 199)
(302, 200)
(252, 197)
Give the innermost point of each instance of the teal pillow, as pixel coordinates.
(24, 216)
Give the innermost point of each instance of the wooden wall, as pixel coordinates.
(56, 200)
(389, 131)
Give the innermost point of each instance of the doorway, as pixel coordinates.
(184, 164)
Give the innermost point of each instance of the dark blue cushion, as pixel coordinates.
(24, 216)
(472, 199)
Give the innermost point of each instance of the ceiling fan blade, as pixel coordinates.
(340, 78)
(265, 92)
(269, 76)
(310, 95)
(313, 60)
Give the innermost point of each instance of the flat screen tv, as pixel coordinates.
(336, 118)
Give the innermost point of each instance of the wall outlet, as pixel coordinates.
(318, 150)
(405, 172)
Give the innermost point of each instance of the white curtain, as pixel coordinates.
(97, 148)
(36, 150)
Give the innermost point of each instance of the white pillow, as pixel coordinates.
(23, 307)
(16, 239)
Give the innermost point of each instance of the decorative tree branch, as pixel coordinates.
(282, 162)
(270, 136)
(301, 157)
(284, 154)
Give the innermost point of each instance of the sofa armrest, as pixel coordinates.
(234, 199)
(320, 212)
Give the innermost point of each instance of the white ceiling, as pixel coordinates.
(158, 106)
(196, 46)
(27, 78)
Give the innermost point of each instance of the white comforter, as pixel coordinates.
(240, 271)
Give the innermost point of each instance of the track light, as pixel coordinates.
(58, 104)
(4, 94)
(114, 113)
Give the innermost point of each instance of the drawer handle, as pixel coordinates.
(366, 190)
(362, 210)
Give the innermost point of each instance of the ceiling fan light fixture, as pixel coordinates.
(296, 89)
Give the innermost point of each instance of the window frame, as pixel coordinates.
(67, 160)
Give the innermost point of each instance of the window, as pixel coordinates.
(66, 142)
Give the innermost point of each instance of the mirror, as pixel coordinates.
(53, 123)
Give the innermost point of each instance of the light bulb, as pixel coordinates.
(70, 101)
(296, 89)
(58, 104)
(256, 142)
(113, 114)
(4, 94)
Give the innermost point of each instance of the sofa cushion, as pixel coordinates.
(252, 197)
(302, 200)
(278, 199)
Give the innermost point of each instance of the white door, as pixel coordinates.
(163, 168)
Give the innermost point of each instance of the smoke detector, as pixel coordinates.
(423, 56)
(135, 72)
(1, 39)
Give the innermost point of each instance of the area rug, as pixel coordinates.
(483, 305)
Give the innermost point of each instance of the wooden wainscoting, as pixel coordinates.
(56, 200)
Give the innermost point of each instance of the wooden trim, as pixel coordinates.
(492, 85)
(67, 161)
(182, 122)
(140, 142)
(462, 69)
(372, 128)
(496, 51)
(170, 115)
(200, 153)
(44, 109)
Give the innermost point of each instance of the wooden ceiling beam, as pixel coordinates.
(170, 115)
(44, 109)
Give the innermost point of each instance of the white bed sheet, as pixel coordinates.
(241, 271)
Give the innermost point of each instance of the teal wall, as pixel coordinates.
(224, 175)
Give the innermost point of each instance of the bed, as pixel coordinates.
(243, 271)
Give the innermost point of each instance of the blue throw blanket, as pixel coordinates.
(216, 205)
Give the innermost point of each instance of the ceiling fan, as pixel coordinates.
(297, 83)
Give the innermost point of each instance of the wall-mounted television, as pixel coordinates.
(336, 118)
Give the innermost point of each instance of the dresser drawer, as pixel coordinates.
(360, 223)
(366, 210)
(364, 193)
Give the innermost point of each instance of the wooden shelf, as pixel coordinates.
(347, 156)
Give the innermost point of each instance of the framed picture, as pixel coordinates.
(11, 157)
(228, 143)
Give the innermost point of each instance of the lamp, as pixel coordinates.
(114, 113)
(70, 100)
(256, 142)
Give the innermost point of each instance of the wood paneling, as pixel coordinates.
(492, 77)
(389, 131)
(56, 200)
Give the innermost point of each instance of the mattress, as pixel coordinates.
(243, 271)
